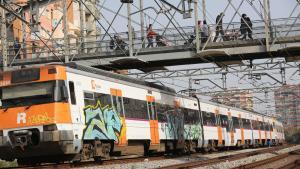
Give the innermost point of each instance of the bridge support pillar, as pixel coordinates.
(129, 29)
(197, 26)
(267, 26)
(65, 27)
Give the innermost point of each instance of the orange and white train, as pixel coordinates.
(72, 112)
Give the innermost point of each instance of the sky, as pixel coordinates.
(279, 9)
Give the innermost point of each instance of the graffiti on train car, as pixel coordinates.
(174, 126)
(102, 122)
(192, 132)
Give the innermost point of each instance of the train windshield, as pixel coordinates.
(33, 93)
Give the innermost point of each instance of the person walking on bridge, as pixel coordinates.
(243, 27)
(246, 27)
(150, 36)
(219, 27)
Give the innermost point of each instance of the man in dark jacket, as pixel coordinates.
(243, 27)
(219, 27)
(246, 27)
(249, 28)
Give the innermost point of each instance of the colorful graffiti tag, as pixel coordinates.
(192, 131)
(102, 123)
(174, 128)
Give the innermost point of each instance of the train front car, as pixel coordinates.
(35, 119)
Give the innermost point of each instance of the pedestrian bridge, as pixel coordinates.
(284, 41)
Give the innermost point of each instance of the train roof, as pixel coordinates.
(149, 84)
(119, 77)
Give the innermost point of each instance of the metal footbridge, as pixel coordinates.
(284, 41)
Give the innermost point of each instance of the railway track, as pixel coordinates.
(289, 160)
(234, 157)
(136, 159)
(121, 160)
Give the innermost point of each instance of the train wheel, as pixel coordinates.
(208, 148)
(146, 148)
(187, 147)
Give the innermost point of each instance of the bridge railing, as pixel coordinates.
(280, 28)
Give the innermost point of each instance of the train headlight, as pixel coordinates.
(51, 127)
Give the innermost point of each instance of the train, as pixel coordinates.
(72, 112)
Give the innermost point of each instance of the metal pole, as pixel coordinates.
(24, 36)
(142, 22)
(196, 26)
(82, 28)
(266, 20)
(204, 9)
(129, 29)
(270, 20)
(4, 37)
(65, 27)
(190, 85)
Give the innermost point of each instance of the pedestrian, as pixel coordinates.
(120, 44)
(269, 142)
(17, 47)
(204, 32)
(243, 27)
(219, 27)
(249, 27)
(112, 42)
(150, 36)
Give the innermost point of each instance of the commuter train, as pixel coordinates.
(72, 112)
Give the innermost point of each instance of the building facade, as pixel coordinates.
(287, 103)
(239, 99)
(47, 22)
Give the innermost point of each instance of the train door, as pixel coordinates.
(75, 90)
(225, 129)
(242, 130)
(230, 128)
(153, 120)
(117, 103)
(219, 127)
(259, 131)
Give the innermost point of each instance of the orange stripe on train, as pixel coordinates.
(35, 115)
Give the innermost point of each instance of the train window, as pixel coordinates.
(93, 98)
(209, 119)
(136, 109)
(162, 111)
(261, 126)
(190, 116)
(117, 103)
(254, 125)
(236, 124)
(271, 127)
(151, 110)
(88, 95)
(246, 124)
(241, 123)
(224, 120)
(72, 92)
